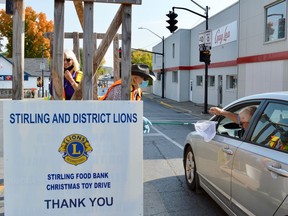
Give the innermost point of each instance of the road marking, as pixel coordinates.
(152, 134)
(166, 137)
(165, 104)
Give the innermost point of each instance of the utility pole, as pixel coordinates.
(42, 67)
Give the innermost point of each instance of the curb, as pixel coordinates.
(184, 107)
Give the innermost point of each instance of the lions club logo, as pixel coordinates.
(75, 149)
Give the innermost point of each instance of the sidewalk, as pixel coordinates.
(187, 106)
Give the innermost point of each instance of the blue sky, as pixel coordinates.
(150, 14)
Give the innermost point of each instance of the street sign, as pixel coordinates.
(42, 66)
(208, 38)
(201, 38)
(205, 40)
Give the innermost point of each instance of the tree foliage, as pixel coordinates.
(102, 70)
(142, 57)
(36, 25)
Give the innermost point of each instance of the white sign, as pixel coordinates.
(73, 158)
(224, 34)
(205, 40)
(201, 38)
(208, 38)
(42, 66)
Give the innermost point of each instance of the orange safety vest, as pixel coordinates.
(274, 141)
(136, 94)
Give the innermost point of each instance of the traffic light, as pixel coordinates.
(9, 6)
(172, 21)
(120, 52)
(205, 56)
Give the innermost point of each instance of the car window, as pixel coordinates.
(229, 128)
(272, 127)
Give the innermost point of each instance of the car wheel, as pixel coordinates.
(191, 175)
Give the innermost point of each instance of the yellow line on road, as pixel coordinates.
(166, 104)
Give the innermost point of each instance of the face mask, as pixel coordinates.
(143, 84)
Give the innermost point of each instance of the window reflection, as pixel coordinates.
(275, 21)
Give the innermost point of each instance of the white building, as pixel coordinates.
(263, 47)
(31, 72)
(247, 57)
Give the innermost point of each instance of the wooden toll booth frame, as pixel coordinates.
(91, 57)
(75, 36)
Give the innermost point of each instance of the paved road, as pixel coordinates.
(165, 190)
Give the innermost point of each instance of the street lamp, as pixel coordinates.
(163, 66)
(42, 68)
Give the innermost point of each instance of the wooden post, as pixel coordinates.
(102, 49)
(126, 53)
(79, 9)
(57, 72)
(88, 41)
(95, 78)
(76, 46)
(116, 58)
(18, 51)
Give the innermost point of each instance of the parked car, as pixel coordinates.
(245, 175)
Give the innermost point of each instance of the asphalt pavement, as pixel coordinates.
(185, 107)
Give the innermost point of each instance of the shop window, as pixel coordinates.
(211, 81)
(175, 76)
(199, 80)
(231, 82)
(275, 26)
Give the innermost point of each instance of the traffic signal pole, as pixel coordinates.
(207, 62)
(206, 73)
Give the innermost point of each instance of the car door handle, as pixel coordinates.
(227, 150)
(279, 171)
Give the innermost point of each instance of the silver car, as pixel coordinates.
(245, 175)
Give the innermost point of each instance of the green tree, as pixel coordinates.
(36, 25)
(101, 70)
(142, 57)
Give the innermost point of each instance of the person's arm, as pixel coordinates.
(69, 77)
(227, 114)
